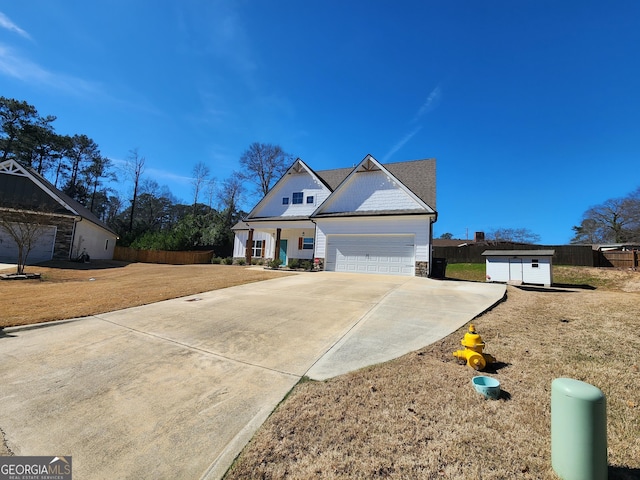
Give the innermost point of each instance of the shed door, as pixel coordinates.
(389, 254)
(515, 269)
(40, 252)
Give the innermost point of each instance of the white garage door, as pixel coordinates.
(40, 252)
(390, 254)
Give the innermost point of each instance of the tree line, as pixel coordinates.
(148, 215)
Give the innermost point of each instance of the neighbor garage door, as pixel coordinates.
(390, 254)
(40, 252)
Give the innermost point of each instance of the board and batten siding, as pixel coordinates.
(391, 225)
(371, 191)
(240, 241)
(301, 182)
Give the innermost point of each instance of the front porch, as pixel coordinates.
(285, 241)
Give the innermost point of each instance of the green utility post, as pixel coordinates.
(578, 430)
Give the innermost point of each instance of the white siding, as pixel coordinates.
(497, 269)
(541, 275)
(371, 191)
(413, 225)
(292, 236)
(97, 242)
(301, 182)
(240, 241)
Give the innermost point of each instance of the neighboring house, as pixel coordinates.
(67, 228)
(372, 218)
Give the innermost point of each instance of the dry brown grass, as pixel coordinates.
(71, 290)
(419, 417)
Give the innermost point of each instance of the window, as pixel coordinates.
(257, 249)
(297, 198)
(305, 243)
(310, 199)
(534, 263)
(285, 200)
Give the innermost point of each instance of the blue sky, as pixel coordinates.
(531, 108)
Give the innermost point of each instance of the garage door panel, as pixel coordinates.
(387, 254)
(40, 252)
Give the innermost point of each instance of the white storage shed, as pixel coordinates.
(520, 266)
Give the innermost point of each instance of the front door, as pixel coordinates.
(283, 251)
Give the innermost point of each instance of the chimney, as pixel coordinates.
(478, 237)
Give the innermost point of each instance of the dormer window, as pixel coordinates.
(297, 198)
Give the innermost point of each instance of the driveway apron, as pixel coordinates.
(176, 389)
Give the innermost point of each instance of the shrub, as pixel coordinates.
(307, 265)
(293, 263)
(241, 261)
(275, 263)
(228, 261)
(257, 261)
(216, 260)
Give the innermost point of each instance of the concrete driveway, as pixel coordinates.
(177, 388)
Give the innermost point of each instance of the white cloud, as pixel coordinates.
(401, 143)
(7, 24)
(13, 65)
(430, 103)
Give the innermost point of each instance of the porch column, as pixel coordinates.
(248, 250)
(277, 252)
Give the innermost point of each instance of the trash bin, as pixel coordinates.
(439, 267)
(578, 430)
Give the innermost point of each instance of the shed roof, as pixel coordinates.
(518, 253)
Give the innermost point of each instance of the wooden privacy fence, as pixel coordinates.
(615, 258)
(127, 254)
(581, 255)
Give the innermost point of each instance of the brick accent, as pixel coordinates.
(422, 269)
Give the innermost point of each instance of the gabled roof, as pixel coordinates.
(296, 168)
(417, 175)
(22, 187)
(424, 183)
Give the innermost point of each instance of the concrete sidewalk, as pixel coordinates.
(177, 388)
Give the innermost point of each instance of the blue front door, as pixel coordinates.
(283, 251)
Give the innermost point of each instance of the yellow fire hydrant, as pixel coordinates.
(472, 352)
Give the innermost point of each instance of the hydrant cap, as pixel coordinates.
(472, 339)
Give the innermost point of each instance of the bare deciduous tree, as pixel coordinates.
(200, 175)
(616, 220)
(520, 235)
(263, 164)
(135, 169)
(25, 233)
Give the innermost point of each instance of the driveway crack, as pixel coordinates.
(198, 349)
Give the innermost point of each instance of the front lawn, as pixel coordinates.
(71, 290)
